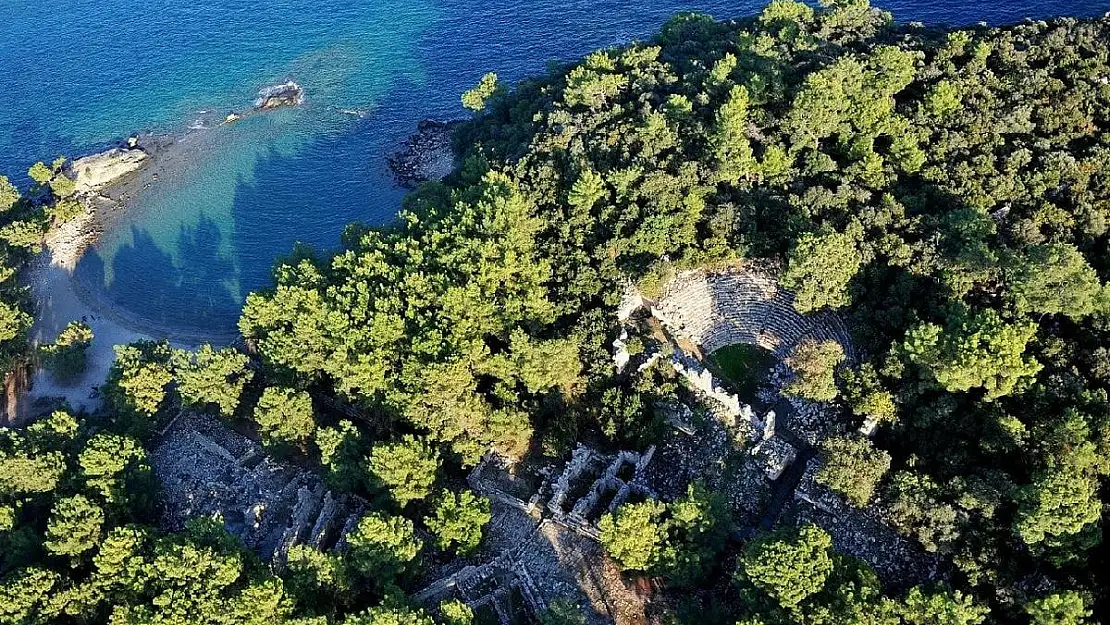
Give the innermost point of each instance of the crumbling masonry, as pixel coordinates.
(207, 469)
(548, 540)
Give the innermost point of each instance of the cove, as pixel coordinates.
(80, 74)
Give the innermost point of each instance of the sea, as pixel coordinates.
(77, 76)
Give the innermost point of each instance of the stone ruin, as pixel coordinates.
(702, 380)
(752, 432)
(703, 446)
(862, 533)
(499, 591)
(544, 543)
(749, 430)
(810, 421)
(543, 540)
(714, 310)
(208, 469)
(707, 311)
(617, 482)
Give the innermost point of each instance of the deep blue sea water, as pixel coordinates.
(77, 75)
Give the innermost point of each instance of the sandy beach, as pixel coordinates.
(60, 298)
(58, 304)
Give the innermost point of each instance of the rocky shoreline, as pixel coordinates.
(102, 181)
(427, 155)
(110, 182)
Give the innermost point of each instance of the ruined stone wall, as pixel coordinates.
(863, 533)
(207, 469)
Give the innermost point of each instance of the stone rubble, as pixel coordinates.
(862, 533)
(631, 301)
(207, 469)
(705, 448)
(809, 421)
(621, 355)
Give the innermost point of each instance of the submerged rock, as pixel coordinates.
(97, 171)
(277, 96)
(426, 155)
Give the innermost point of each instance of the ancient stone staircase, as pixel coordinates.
(208, 469)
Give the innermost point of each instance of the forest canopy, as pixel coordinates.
(946, 192)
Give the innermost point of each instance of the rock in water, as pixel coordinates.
(97, 171)
(277, 96)
(427, 155)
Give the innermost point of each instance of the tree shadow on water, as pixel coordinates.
(150, 289)
(310, 197)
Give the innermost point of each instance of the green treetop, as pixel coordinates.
(1058, 503)
(852, 467)
(9, 194)
(458, 521)
(284, 417)
(14, 323)
(476, 99)
(406, 468)
(976, 349)
(66, 356)
(1054, 279)
(1062, 608)
(941, 607)
(342, 454)
(136, 384)
(731, 146)
(788, 565)
(116, 467)
(562, 611)
(634, 534)
(455, 612)
(819, 270)
(679, 540)
(210, 377)
(814, 365)
(75, 526)
(389, 614)
(382, 548)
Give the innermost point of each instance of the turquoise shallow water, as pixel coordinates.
(79, 74)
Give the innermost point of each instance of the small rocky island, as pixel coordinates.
(278, 96)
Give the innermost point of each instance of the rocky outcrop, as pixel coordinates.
(93, 173)
(426, 155)
(277, 96)
(94, 178)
